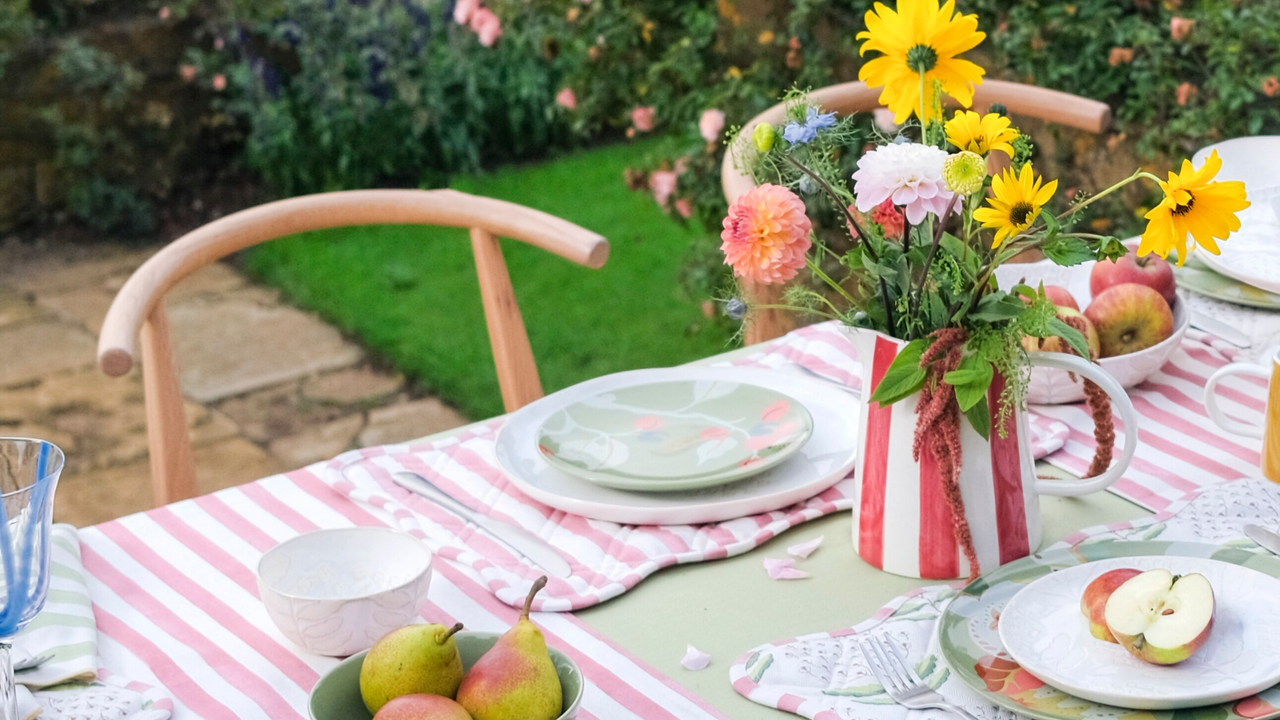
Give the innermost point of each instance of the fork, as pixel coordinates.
(901, 681)
(31, 663)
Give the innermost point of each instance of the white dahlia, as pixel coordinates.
(909, 173)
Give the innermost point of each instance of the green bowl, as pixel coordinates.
(337, 695)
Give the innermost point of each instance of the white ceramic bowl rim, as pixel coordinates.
(426, 554)
(1181, 320)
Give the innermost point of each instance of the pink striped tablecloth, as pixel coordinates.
(176, 600)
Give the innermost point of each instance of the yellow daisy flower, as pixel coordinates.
(1193, 204)
(1015, 203)
(981, 133)
(919, 38)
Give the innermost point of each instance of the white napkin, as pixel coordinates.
(70, 685)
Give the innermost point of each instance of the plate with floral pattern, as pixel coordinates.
(969, 637)
(674, 435)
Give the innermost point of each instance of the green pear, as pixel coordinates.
(516, 678)
(415, 659)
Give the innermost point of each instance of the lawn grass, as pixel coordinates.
(410, 293)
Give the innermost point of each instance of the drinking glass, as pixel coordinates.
(29, 471)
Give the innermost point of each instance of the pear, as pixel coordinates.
(422, 707)
(417, 659)
(516, 678)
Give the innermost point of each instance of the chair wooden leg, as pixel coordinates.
(517, 372)
(765, 323)
(173, 470)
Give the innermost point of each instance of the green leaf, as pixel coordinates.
(1067, 251)
(904, 376)
(970, 380)
(1073, 336)
(997, 306)
(1110, 248)
(980, 418)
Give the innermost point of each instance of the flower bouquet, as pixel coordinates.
(931, 213)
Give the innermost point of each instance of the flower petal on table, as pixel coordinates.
(805, 549)
(783, 569)
(695, 659)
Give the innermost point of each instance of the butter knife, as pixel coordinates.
(518, 540)
(1214, 326)
(1264, 537)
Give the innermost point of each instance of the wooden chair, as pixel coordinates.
(851, 97)
(139, 307)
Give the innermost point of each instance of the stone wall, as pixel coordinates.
(99, 104)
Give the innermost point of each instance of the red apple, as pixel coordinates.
(1053, 343)
(1160, 617)
(422, 707)
(1129, 317)
(1094, 600)
(1151, 270)
(1060, 296)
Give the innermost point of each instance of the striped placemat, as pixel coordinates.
(175, 596)
(607, 558)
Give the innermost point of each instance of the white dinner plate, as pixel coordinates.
(1044, 631)
(1252, 253)
(825, 459)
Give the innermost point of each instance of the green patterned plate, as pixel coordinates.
(675, 435)
(970, 642)
(1198, 277)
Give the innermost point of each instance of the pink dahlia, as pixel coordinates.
(909, 173)
(642, 118)
(766, 235)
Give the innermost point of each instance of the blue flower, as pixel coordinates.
(814, 121)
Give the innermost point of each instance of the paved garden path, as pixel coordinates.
(268, 387)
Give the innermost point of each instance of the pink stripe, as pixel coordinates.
(250, 533)
(236, 571)
(875, 465)
(1006, 471)
(790, 703)
(276, 508)
(284, 659)
(1224, 389)
(939, 556)
(167, 671)
(235, 673)
(1176, 422)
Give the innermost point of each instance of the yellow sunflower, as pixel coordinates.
(1015, 203)
(919, 38)
(1193, 204)
(981, 133)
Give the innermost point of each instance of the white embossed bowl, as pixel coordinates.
(1050, 386)
(336, 592)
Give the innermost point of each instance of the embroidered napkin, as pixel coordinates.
(824, 676)
(70, 685)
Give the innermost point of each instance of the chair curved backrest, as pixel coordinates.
(1028, 100)
(138, 309)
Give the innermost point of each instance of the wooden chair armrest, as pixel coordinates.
(450, 208)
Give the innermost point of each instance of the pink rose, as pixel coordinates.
(1180, 27)
(642, 118)
(684, 207)
(487, 26)
(164, 12)
(567, 99)
(710, 124)
(219, 82)
(663, 185)
(187, 72)
(463, 9)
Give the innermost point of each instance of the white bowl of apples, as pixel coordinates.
(1130, 307)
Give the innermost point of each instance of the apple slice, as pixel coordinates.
(1094, 600)
(1160, 617)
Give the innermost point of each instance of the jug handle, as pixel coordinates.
(1119, 400)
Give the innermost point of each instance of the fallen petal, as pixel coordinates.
(695, 659)
(783, 569)
(805, 549)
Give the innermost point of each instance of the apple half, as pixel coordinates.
(1093, 602)
(1160, 617)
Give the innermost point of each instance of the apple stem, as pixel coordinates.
(528, 601)
(448, 633)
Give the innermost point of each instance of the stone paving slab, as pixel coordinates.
(270, 387)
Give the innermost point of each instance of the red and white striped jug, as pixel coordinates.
(902, 521)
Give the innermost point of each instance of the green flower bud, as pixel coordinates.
(965, 172)
(763, 136)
